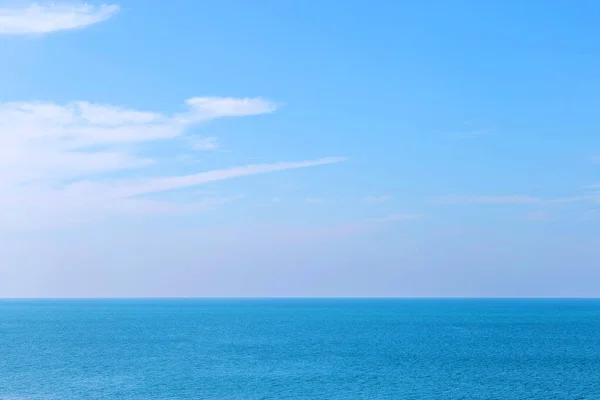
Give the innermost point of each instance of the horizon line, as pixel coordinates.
(309, 298)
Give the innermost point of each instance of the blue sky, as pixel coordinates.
(299, 148)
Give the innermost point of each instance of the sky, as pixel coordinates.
(299, 148)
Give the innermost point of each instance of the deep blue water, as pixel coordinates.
(299, 349)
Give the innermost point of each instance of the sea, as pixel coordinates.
(236, 349)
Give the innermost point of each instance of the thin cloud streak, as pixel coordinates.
(54, 159)
(164, 184)
(42, 19)
(207, 108)
(511, 199)
(61, 141)
(38, 207)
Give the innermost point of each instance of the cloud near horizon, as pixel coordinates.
(54, 159)
(42, 19)
(512, 199)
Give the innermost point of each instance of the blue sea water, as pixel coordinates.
(299, 349)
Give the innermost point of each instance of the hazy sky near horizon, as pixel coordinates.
(299, 148)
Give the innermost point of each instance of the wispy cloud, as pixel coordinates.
(591, 197)
(40, 19)
(162, 184)
(41, 206)
(207, 108)
(54, 158)
(507, 199)
(47, 140)
(377, 199)
(511, 199)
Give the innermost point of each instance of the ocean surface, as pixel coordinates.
(299, 349)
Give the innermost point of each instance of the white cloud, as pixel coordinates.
(43, 140)
(40, 19)
(54, 159)
(162, 184)
(207, 108)
(512, 199)
(104, 115)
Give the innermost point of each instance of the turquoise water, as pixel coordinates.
(300, 349)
